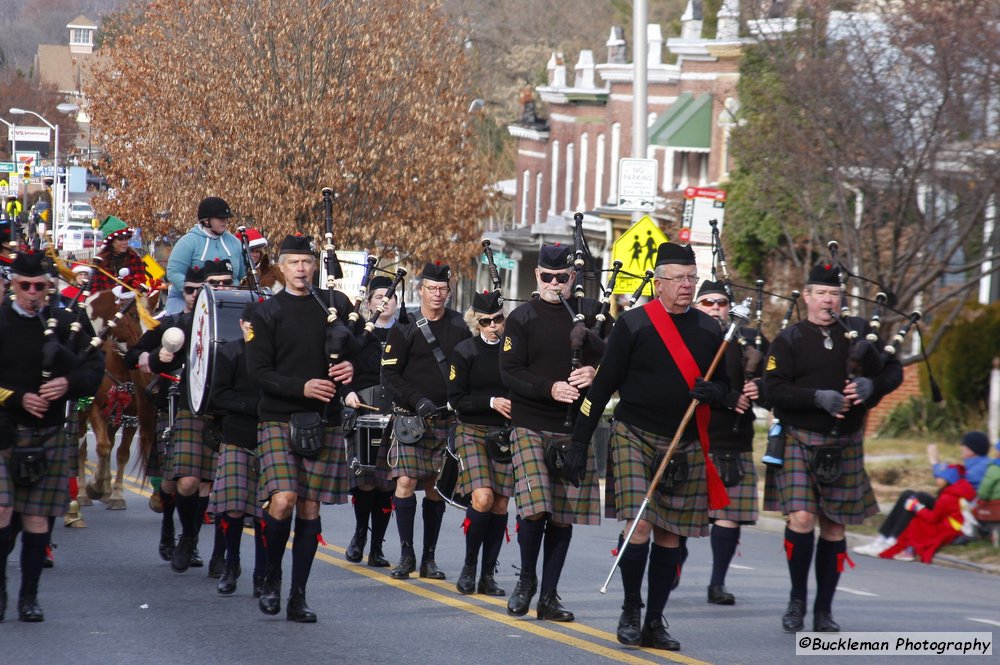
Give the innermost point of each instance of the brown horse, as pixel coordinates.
(120, 404)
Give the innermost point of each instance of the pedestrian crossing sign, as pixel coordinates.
(636, 248)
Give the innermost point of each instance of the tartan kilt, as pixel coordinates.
(322, 479)
(236, 481)
(536, 492)
(190, 456)
(478, 470)
(685, 511)
(47, 497)
(381, 475)
(742, 507)
(421, 460)
(793, 487)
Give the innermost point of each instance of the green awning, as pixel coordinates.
(686, 125)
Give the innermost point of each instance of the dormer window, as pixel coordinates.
(81, 37)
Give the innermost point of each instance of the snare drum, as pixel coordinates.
(366, 439)
(215, 321)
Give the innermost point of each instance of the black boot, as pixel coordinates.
(167, 540)
(550, 609)
(823, 622)
(380, 516)
(717, 595)
(793, 620)
(467, 579)
(429, 569)
(29, 610)
(655, 635)
(356, 549)
(32, 562)
(407, 562)
(270, 593)
(630, 622)
(183, 553)
(297, 610)
(488, 586)
(227, 583)
(258, 585)
(524, 591)
(375, 557)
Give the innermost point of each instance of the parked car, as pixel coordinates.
(81, 211)
(79, 238)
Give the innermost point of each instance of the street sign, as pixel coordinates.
(637, 184)
(503, 261)
(636, 248)
(20, 133)
(702, 205)
(6, 167)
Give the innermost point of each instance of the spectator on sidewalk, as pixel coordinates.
(989, 486)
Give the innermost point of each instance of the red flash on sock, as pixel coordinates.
(74, 488)
(841, 557)
(465, 525)
(506, 532)
(614, 552)
(789, 548)
(263, 533)
(224, 525)
(319, 539)
(387, 511)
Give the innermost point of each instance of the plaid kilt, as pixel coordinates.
(535, 492)
(742, 507)
(236, 481)
(793, 487)
(381, 475)
(322, 479)
(421, 460)
(189, 455)
(47, 497)
(685, 511)
(478, 470)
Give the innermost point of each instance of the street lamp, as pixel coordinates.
(57, 191)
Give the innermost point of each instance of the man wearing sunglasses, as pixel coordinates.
(32, 415)
(656, 357)
(535, 361)
(415, 367)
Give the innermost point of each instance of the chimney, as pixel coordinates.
(729, 21)
(654, 42)
(585, 70)
(691, 21)
(616, 46)
(557, 70)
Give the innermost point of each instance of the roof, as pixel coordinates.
(81, 21)
(686, 125)
(67, 71)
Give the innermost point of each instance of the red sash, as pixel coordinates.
(718, 498)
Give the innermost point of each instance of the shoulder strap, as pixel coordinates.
(439, 356)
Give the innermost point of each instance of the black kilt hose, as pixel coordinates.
(743, 503)
(189, 455)
(478, 470)
(422, 460)
(793, 487)
(236, 481)
(48, 496)
(536, 492)
(685, 510)
(322, 479)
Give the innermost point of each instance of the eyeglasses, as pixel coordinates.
(680, 279)
(487, 320)
(547, 277)
(220, 282)
(436, 289)
(32, 286)
(191, 289)
(708, 302)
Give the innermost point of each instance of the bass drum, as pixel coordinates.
(215, 321)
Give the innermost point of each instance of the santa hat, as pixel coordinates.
(253, 237)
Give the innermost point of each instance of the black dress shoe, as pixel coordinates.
(356, 549)
(429, 569)
(270, 596)
(297, 610)
(407, 565)
(630, 622)
(823, 622)
(488, 587)
(550, 609)
(466, 580)
(227, 583)
(167, 545)
(196, 560)
(258, 585)
(216, 566)
(655, 635)
(717, 595)
(375, 557)
(524, 591)
(180, 561)
(29, 610)
(793, 620)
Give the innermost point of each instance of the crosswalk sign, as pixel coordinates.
(636, 248)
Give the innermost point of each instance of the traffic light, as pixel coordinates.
(27, 171)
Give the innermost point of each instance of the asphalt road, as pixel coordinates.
(110, 599)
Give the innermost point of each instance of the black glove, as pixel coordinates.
(575, 464)
(864, 387)
(426, 407)
(709, 392)
(829, 400)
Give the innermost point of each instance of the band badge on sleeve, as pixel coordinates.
(388, 348)
(585, 408)
(249, 332)
(451, 374)
(507, 345)
(771, 364)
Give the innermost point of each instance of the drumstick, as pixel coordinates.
(362, 405)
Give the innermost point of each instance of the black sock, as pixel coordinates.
(362, 501)
(32, 561)
(232, 532)
(477, 526)
(6, 538)
(202, 511)
(724, 542)
(664, 566)
(633, 567)
(493, 541)
(556, 547)
(828, 566)
(432, 513)
(219, 546)
(274, 533)
(169, 502)
(529, 539)
(381, 514)
(406, 512)
(259, 552)
(304, 550)
(799, 552)
(189, 515)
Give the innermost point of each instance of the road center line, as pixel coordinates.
(856, 592)
(989, 621)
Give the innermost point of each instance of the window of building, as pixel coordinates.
(81, 36)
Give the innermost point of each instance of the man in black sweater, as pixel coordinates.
(656, 357)
(38, 374)
(547, 373)
(821, 385)
(414, 371)
(300, 443)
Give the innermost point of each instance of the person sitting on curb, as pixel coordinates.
(989, 486)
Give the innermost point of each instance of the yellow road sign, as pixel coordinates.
(636, 249)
